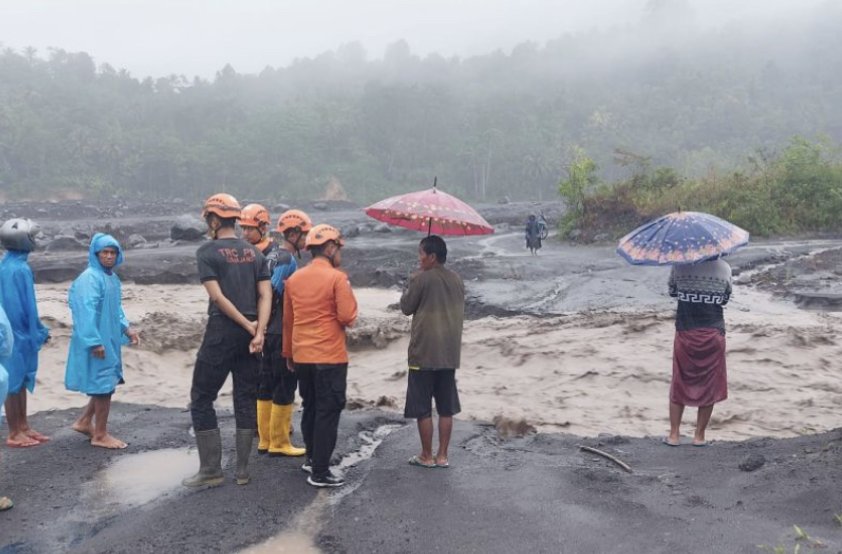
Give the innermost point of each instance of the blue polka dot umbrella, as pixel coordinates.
(681, 238)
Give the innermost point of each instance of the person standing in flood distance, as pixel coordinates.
(699, 375)
(435, 298)
(17, 296)
(236, 278)
(100, 328)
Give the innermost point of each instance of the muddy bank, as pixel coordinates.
(538, 493)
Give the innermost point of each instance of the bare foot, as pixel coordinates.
(21, 440)
(87, 430)
(35, 435)
(109, 442)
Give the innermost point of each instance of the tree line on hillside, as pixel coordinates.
(796, 190)
(491, 126)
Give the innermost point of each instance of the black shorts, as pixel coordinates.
(424, 385)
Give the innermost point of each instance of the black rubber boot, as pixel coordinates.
(245, 438)
(209, 444)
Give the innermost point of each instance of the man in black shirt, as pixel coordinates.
(236, 278)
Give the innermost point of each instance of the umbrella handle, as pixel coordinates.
(429, 226)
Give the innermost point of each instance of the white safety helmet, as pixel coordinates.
(19, 234)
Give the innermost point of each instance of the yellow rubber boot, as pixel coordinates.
(280, 444)
(264, 417)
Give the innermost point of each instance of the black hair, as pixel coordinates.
(434, 244)
(289, 231)
(318, 249)
(223, 221)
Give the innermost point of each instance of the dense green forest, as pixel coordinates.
(700, 101)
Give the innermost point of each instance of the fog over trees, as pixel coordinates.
(696, 99)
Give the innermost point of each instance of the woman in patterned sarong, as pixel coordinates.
(699, 375)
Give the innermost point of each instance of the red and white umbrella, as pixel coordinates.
(431, 211)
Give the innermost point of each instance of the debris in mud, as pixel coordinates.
(509, 428)
(752, 462)
(377, 333)
(386, 402)
(164, 331)
(398, 375)
(389, 402)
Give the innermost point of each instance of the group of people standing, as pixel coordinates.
(275, 324)
(100, 328)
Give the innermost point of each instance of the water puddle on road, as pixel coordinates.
(300, 536)
(136, 479)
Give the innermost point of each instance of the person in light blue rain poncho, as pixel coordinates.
(6, 342)
(17, 297)
(100, 328)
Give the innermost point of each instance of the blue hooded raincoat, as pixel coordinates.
(17, 296)
(6, 341)
(95, 299)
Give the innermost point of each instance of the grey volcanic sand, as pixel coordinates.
(538, 493)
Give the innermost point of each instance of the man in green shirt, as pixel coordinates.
(435, 298)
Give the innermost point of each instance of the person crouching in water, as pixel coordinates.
(17, 296)
(318, 305)
(276, 392)
(100, 328)
(236, 278)
(699, 375)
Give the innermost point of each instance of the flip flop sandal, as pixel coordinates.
(445, 465)
(11, 444)
(701, 444)
(415, 461)
(666, 441)
(6, 503)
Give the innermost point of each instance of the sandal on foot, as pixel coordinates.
(416, 461)
(6, 503)
(666, 440)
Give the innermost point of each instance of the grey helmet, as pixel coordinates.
(19, 234)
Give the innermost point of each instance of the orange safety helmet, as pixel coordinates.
(291, 219)
(321, 234)
(222, 204)
(254, 215)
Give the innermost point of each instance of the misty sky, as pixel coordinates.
(198, 37)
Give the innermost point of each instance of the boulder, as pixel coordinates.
(65, 243)
(136, 241)
(189, 228)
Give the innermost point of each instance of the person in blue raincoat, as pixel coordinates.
(6, 341)
(100, 328)
(17, 296)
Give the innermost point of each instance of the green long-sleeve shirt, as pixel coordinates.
(435, 299)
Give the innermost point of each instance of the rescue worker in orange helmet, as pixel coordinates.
(318, 305)
(276, 391)
(236, 278)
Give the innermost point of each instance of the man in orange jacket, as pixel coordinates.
(318, 305)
